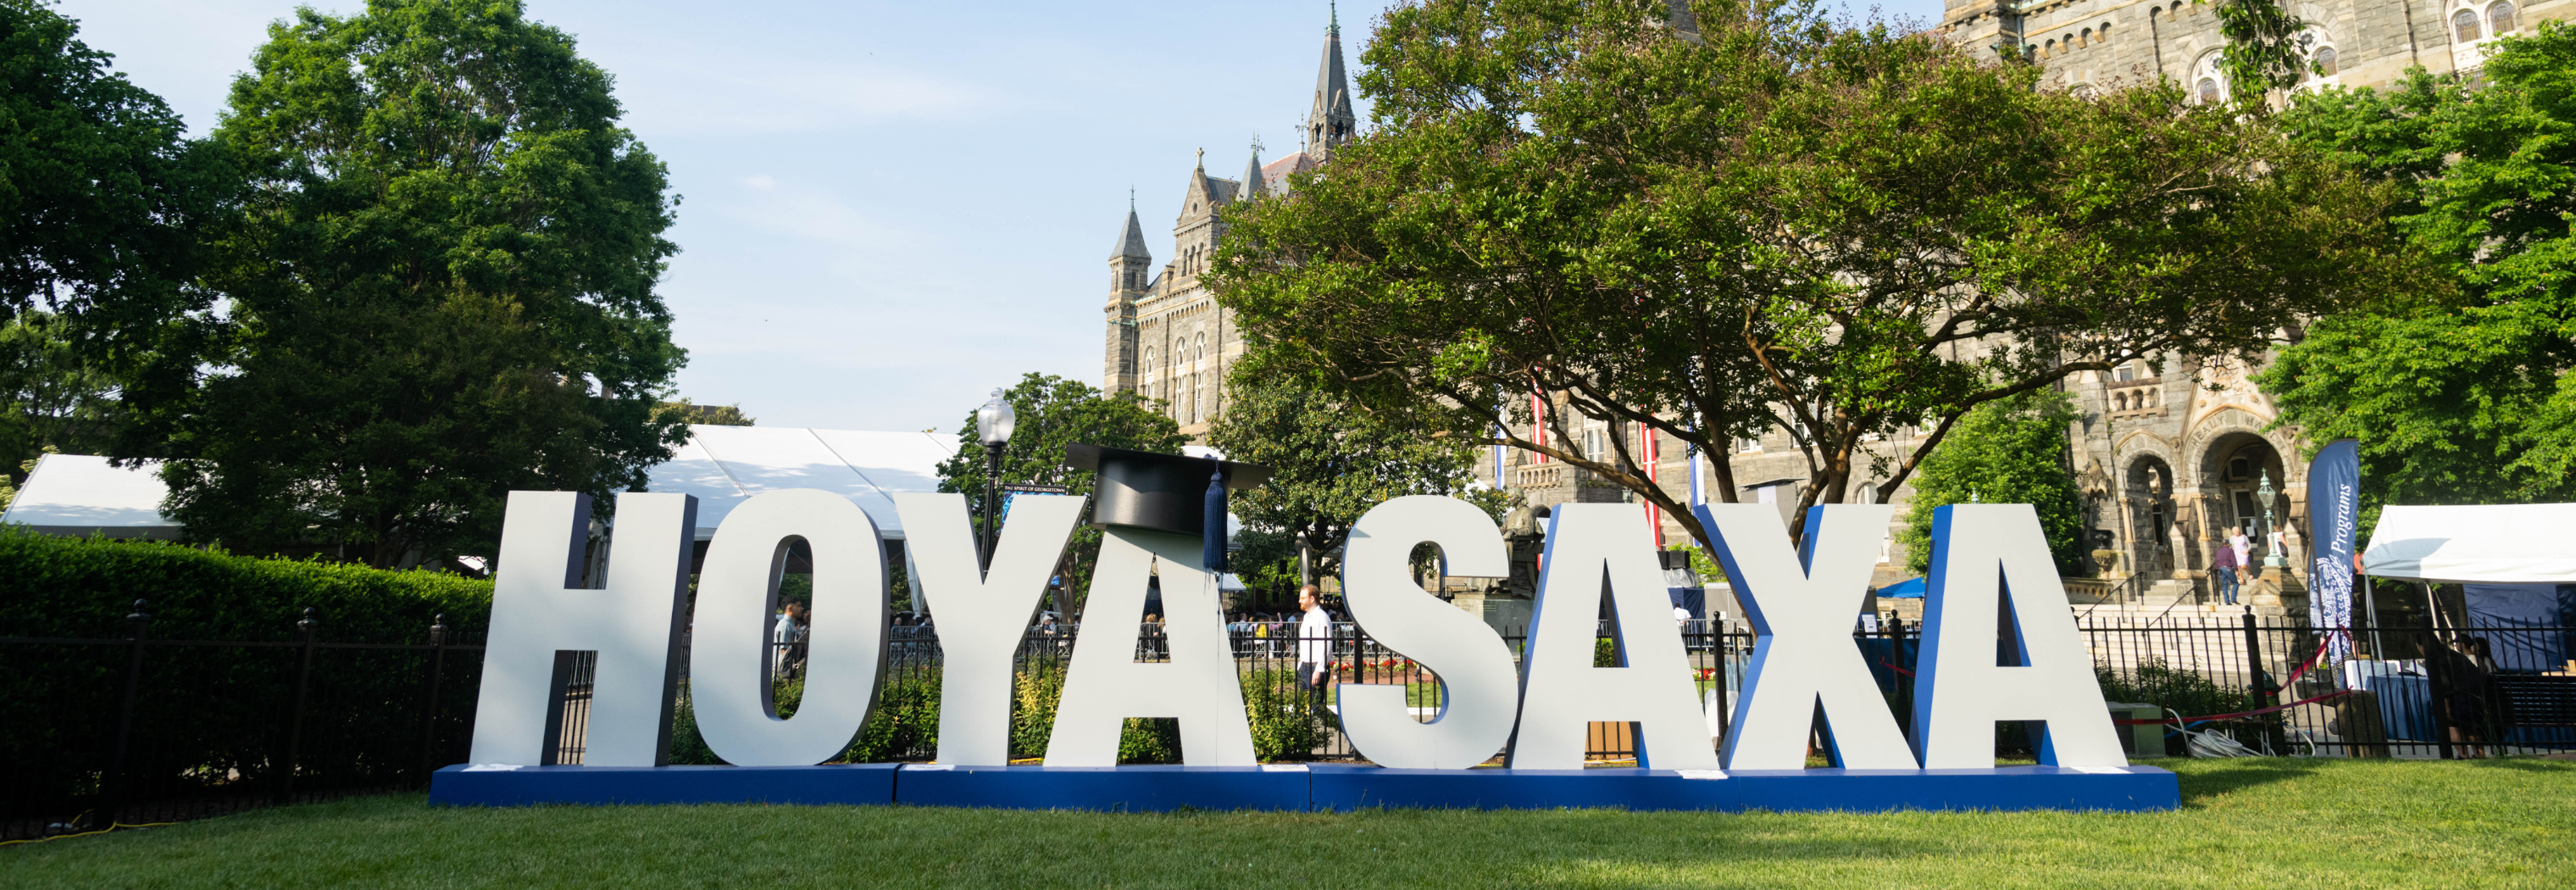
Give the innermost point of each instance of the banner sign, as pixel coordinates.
(1990, 569)
(2334, 516)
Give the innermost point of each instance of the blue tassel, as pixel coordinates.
(1213, 557)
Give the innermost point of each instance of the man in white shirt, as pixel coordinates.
(1314, 644)
(786, 657)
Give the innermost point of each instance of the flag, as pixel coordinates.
(2334, 514)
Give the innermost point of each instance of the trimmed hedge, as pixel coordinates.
(215, 719)
(84, 587)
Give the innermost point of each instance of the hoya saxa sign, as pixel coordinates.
(1999, 644)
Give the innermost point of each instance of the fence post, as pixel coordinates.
(2436, 679)
(429, 698)
(2254, 662)
(136, 624)
(1904, 681)
(1725, 709)
(295, 730)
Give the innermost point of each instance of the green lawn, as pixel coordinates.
(2340, 824)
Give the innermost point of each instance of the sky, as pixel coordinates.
(886, 210)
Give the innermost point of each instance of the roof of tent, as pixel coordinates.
(2482, 544)
(80, 494)
(723, 465)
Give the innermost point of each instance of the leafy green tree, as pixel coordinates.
(442, 288)
(1329, 465)
(2011, 451)
(1762, 220)
(1052, 412)
(103, 205)
(2462, 394)
(711, 415)
(102, 197)
(55, 399)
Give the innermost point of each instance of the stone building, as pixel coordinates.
(2170, 454)
(2108, 44)
(1167, 337)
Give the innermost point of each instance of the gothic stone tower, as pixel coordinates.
(1167, 339)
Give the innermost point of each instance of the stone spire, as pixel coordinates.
(1253, 187)
(1331, 122)
(1131, 242)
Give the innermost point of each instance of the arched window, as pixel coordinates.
(2325, 59)
(2048, 49)
(2208, 84)
(2119, 401)
(2085, 39)
(2500, 18)
(2464, 26)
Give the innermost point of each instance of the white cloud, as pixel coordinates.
(763, 182)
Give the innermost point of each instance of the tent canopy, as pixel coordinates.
(2479, 544)
(725, 465)
(81, 495)
(74, 494)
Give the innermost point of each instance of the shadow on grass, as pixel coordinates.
(2211, 778)
(2534, 765)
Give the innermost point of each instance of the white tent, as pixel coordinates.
(2476, 544)
(73, 494)
(723, 465)
(80, 495)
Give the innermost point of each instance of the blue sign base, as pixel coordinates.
(1318, 787)
(860, 783)
(1122, 788)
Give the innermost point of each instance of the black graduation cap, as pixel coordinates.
(1165, 492)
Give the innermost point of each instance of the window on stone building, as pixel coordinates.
(2325, 59)
(2119, 401)
(2464, 26)
(2085, 39)
(2500, 18)
(1748, 444)
(2209, 91)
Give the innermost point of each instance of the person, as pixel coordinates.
(1314, 644)
(2222, 565)
(2465, 699)
(2244, 547)
(787, 637)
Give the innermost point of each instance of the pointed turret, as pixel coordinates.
(1253, 186)
(1131, 241)
(1129, 265)
(1331, 122)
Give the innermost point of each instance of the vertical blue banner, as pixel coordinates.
(2334, 515)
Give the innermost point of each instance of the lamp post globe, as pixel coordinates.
(993, 424)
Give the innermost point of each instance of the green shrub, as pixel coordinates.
(84, 587)
(1286, 725)
(211, 718)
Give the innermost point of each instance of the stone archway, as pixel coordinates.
(2146, 495)
(2235, 468)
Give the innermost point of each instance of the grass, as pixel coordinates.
(2272, 823)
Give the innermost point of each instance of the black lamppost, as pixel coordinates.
(993, 424)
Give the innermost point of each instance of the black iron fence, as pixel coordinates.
(130, 728)
(126, 727)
